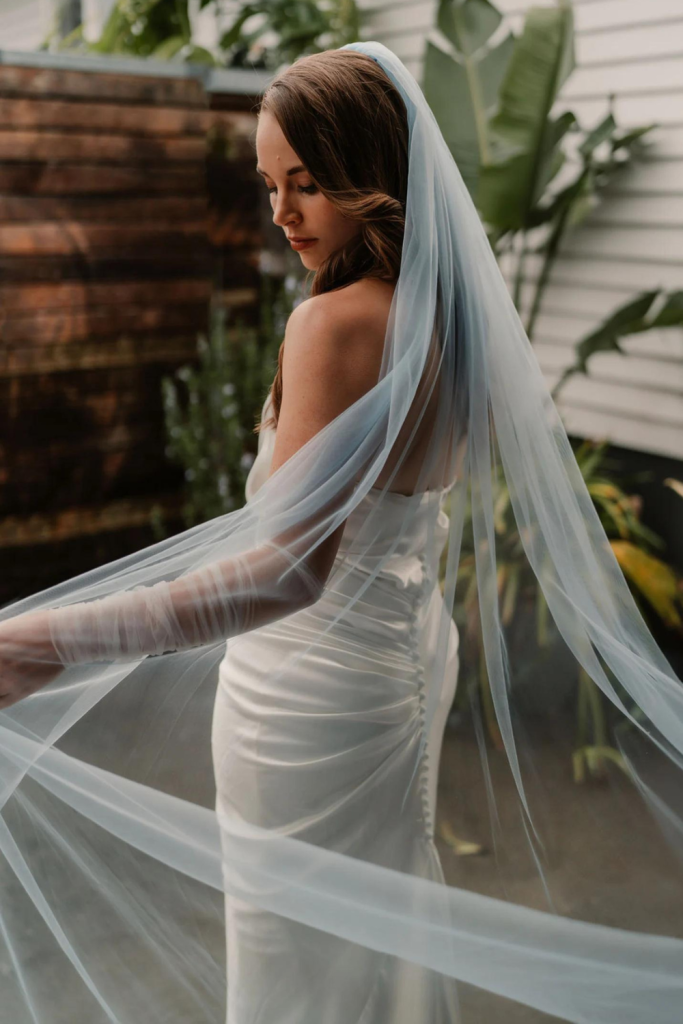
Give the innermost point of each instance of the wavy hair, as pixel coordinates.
(347, 123)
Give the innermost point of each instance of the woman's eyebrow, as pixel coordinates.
(292, 170)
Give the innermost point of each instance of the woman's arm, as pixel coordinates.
(332, 356)
(221, 600)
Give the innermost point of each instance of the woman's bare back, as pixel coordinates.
(376, 296)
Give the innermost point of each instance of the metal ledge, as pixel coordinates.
(235, 81)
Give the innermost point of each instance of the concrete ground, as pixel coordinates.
(606, 859)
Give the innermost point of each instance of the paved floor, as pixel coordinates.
(606, 860)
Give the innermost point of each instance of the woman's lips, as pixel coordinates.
(303, 245)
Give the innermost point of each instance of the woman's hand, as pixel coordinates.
(28, 659)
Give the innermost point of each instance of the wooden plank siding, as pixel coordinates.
(116, 227)
(634, 239)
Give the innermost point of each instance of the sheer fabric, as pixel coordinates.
(119, 851)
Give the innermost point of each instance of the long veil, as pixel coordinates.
(116, 856)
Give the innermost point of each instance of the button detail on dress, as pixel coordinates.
(416, 658)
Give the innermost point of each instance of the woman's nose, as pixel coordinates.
(283, 211)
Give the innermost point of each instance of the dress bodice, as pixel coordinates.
(408, 535)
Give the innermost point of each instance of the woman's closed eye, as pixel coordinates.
(308, 189)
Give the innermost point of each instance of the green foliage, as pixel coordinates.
(651, 309)
(493, 94)
(146, 28)
(158, 29)
(299, 27)
(264, 33)
(656, 588)
(211, 409)
(493, 102)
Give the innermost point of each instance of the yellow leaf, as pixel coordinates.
(675, 485)
(605, 490)
(462, 847)
(655, 580)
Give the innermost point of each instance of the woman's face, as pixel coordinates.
(299, 208)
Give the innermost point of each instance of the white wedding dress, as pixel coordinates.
(321, 744)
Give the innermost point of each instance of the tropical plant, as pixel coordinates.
(493, 94)
(656, 588)
(493, 98)
(158, 29)
(263, 34)
(210, 409)
(269, 33)
(647, 311)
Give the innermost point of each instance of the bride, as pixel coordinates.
(325, 748)
(310, 634)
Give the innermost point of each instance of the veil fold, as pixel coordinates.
(116, 856)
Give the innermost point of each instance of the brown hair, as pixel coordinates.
(347, 122)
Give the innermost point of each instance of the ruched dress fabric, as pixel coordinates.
(321, 744)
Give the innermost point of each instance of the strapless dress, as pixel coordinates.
(316, 728)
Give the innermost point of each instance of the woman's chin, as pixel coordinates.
(310, 261)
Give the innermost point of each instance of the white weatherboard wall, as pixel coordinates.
(633, 240)
(24, 24)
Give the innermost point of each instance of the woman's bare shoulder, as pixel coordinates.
(334, 342)
(370, 297)
(332, 356)
(362, 304)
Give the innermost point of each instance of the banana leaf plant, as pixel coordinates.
(493, 94)
(650, 309)
(656, 587)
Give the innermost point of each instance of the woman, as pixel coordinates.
(399, 380)
(302, 738)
